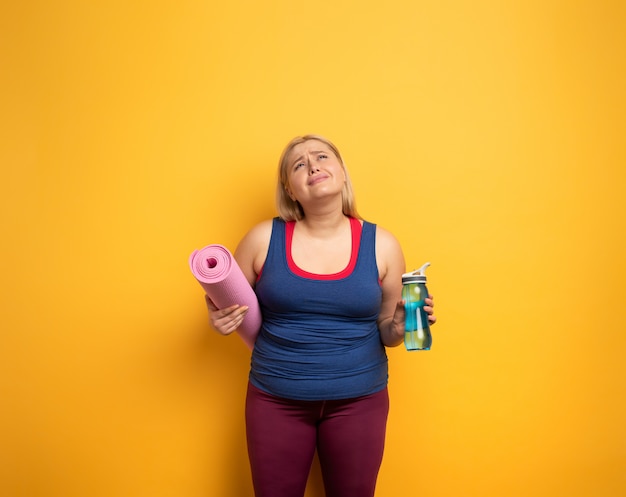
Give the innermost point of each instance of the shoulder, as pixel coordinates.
(389, 255)
(261, 230)
(258, 237)
(385, 240)
(252, 249)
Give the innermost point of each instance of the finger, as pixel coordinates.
(432, 319)
(229, 319)
(400, 305)
(224, 317)
(228, 311)
(235, 323)
(232, 326)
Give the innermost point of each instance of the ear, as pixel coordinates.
(291, 196)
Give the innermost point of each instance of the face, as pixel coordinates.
(313, 170)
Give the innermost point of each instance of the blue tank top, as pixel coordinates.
(319, 339)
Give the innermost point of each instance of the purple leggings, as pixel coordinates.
(283, 434)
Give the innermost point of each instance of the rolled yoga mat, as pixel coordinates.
(223, 281)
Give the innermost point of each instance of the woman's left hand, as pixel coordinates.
(428, 308)
(399, 316)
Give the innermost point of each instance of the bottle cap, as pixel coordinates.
(417, 276)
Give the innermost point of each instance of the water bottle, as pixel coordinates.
(416, 328)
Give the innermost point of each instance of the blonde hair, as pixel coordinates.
(291, 210)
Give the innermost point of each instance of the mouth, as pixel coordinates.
(317, 179)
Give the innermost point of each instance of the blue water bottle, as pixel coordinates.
(416, 328)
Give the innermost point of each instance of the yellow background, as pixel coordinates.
(487, 135)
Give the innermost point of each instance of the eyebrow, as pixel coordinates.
(312, 152)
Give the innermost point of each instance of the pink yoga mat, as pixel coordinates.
(223, 281)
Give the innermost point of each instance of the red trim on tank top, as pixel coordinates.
(355, 227)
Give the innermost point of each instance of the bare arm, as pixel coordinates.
(391, 266)
(252, 250)
(250, 256)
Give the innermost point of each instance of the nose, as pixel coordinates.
(313, 168)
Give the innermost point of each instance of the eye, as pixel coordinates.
(298, 165)
(322, 156)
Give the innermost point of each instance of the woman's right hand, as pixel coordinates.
(226, 320)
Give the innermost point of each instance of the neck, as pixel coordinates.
(320, 221)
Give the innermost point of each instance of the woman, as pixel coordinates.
(329, 285)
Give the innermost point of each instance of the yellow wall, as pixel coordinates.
(487, 135)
